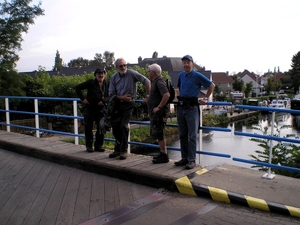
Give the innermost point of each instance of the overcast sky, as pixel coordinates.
(230, 35)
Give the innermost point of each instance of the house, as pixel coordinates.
(224, 82)
(247, 77)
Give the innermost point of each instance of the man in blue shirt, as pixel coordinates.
(188, 116)
(123, 86)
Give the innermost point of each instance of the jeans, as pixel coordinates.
(188, 126)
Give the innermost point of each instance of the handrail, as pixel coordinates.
(146, 123)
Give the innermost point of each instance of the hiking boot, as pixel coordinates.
(181, 162)
(114, 154)
(161, 158)
(99, 149)
(88, 149)
(190, 165)
(123, 155)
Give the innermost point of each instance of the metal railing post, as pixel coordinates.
(37, 122)
(269, 174)
(7, 114)
(75, 122)
(200, 132)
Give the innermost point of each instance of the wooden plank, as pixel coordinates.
(6, 165)
(16, 190)
(82, 208)
(37, 176)
(36, 211)
(97, 196)
(65, 214)
(13, 179)
(125, 193)
(54, 202)
(111, 194)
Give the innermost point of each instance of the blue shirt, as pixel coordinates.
(190, 84)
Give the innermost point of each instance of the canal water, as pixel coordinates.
(234, 145)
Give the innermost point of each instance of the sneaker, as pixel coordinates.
(123, 155)
(190, 165)
(163, 158)
(114, 154)
(99, 149)
(181, 162)
(89, 149)
(157, 156)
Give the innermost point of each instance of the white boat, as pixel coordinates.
(277, 103)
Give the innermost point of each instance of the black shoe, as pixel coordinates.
(157, 156)
(162, 158)
(99, 149)
(181, 162)
(123, 155)
(88, 149)
(190, 165)
(114, 154)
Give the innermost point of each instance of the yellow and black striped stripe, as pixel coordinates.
(185, 186)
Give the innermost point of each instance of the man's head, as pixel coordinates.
(100, 74)
(121, 66)
(154, 70)
(188, 63)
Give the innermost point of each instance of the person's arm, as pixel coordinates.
(210, 90)
(162, 103)
(147, 88)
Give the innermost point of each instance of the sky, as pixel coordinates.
(231, 35)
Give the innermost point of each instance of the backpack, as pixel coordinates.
(171, 90)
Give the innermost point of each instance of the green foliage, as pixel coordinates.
(237, 83)
(272, 85)
(105, 60)
(295, 72)
(15, 18)
(58, 62)
(213, 120)
(248, 89)
(284, 154)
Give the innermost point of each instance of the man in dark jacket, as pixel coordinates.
(97, 91)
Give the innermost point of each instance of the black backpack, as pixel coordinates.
(171, 90)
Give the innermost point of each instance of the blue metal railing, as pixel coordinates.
(75, 134)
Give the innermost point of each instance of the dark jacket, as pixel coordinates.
(95, 94)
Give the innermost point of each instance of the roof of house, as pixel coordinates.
(221, 77)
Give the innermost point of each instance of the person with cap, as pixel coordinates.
(94, 102)
(123, 85)
(157, 109)
(188, 113)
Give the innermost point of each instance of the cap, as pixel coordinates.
(100, 70)
(188, 57)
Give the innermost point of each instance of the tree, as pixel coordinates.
(109, 59)
(79, 62)
(272, 85)
(295, 72)
(15, 18)
(58, 62)
(248, 89)
(237, 83)
(98, 60)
